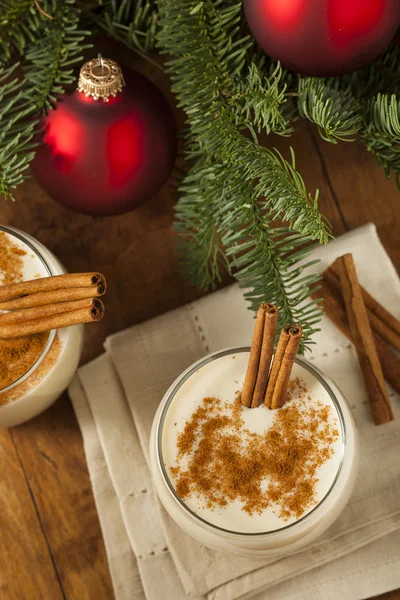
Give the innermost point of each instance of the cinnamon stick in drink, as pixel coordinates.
(363, 340)
(282, 366)
(83, 315)
(267, 349)
(41, 312)
(56, 282)
(52, 297)
(387, 327)
(262, 346)
(333, 306)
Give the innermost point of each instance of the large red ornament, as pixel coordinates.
(106, 155)
(323, 37)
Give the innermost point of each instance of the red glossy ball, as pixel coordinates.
(323, 37)
(106, 158)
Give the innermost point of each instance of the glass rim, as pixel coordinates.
(21, 237)
(169, 396)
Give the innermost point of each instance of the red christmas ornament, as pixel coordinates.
(323, 37)
(107, 149)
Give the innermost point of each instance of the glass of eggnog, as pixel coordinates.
(34, 369)
(253, 481)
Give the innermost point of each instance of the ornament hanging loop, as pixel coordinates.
(101, 61)
(100, 78)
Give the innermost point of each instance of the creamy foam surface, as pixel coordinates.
(223, 378)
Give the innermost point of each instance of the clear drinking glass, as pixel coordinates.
(288, 538)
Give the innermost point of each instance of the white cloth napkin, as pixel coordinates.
(115, 420)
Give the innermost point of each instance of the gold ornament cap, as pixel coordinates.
(100, 78)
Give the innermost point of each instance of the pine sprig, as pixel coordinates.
(18, 22)
(53, 47)
(264, 258)
(16, 148)
(381, 131)
(200, 253)
(133, 22)
(284, 190)
(363, 103)
(264, 100)
(334, 110)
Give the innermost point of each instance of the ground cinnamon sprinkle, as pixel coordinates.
(219, 460)
(18, 355)
(38, 374)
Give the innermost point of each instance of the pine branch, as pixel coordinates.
(52, 58)
(57, 45)
(202, 84)
(209, 57)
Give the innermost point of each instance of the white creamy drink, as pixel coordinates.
(35, 369)
(252, 481)
(222, 379)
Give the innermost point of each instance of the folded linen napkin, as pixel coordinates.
(148, 357)
(366, 572)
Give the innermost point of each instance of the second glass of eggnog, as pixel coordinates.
(255, 482)
(36, 369)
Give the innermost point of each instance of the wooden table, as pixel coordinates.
(50, 538)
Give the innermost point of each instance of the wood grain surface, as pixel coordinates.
(50, 538)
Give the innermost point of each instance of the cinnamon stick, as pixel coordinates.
(282, 366)
(388, 332)
(361, 334)
(53, 297)
(56, 282)
(82, 315)
(334, 309)
(41, 312)
(262, 347)
(375, 307)
(267, 349)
